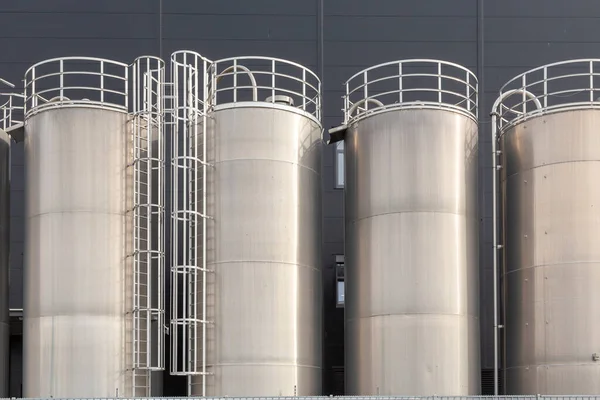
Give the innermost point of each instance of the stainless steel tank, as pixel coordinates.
(74, 304)
(411, 258)
(551, 225)
(263, 239)
(91, 219)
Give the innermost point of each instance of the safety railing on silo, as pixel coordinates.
(418, 83)
(187, 122)
(147, 219)
(76, 81)
(11, 107)
(265, 79)
(565, 85)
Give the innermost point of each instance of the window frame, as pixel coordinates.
(340, 277)
(339, 164)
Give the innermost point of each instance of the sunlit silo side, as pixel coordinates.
(93, 253)
(411, 245)
(547, 122)
(262, 292)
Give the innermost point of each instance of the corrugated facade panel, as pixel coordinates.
(356, 34)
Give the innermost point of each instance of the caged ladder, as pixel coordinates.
(147, 217)
(189, 219)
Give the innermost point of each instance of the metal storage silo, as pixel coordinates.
(252, 295)
(94, 258)
(546, 124)
(411, 245)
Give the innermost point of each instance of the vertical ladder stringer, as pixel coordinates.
(146, 217)
(189, 273)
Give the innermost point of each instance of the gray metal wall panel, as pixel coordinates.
(518, 35)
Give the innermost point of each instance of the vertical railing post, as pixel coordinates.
(400, 89)
(303, 89)
(523, 95)
(62, 80)
(591, 81)
(101, 81)
(366, 90)
(439, 82)
(235, 80)
(468, 94)
(545, 87)
(272, 81)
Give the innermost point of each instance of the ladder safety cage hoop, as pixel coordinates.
(186, 121)
(265, 79)
(76, 82)
(147, 217)
(411, 84)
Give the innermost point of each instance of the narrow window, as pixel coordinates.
(340, 284)
(339, 165)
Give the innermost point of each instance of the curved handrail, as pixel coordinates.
(233, 68)
(449, 86)
(363, 101)
(549, 88)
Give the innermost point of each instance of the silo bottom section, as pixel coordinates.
(276, 380)
(58, 358)
(268, 330)
(554, 380)
(412, 355)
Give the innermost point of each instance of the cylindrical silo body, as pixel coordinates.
(4, 258)
(264, 248)
(412, 325)
(93, 312)
(75, 301)
(551, 218)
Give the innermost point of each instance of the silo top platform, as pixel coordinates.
(560, 86)
(266, 79)
(92, 82)
(248, 81)
(415, 83)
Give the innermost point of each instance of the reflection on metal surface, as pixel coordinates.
(551, 222)
(93, 286)
(264, 246)
(246, 226)
(412, 289)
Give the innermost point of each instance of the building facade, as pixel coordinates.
(336, 38)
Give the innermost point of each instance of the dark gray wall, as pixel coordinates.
(336, 38)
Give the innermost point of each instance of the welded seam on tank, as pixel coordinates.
(121, 214)
(392, 108)
(267, 105)
(465, 315)
(267, 364)
(552, 265)
(593, 363)
(286, 263)
(37, 110)
(547, 165)
(268, 160)
(464, 214)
